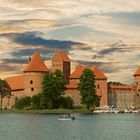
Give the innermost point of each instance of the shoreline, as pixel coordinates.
(46, 111)
(57, 111)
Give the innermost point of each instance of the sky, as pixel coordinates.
(109, 29)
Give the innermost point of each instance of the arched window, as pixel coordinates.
(32, 89)
(31, 81)
(98, 86)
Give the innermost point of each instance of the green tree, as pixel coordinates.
(87, 89)
(4, 90)
(53, 88)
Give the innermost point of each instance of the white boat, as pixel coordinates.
(98, 111)
(135, 111)
(65, 119)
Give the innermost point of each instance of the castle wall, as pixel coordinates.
(33, 83)
(121, 97)
(137, 90)
(101, 90)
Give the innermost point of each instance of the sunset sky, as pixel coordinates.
(109, 29)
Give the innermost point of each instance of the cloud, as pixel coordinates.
(117, 47)
(34, 39)
(5, 67)
(81, 28)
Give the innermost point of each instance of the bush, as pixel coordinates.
(66, 102)
(40, 101)
(23, 103)
(35, 102)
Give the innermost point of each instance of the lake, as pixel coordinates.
(85, 127)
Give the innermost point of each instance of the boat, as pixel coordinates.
(66, 118)
(135, 111)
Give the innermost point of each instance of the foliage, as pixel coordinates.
(23, 103)
(4, 90)
(39, 102)
(53, 88)
(87, 89)
(35, 101)
(115, 83)
(66, 102)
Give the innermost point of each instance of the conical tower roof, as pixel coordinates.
(63, 55)
(137, 73)
(36, 64)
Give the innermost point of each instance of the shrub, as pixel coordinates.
(23, 103)
(66, 102)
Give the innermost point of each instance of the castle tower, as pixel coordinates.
(61, 61)
(137, 79)
(137, 86)
(33, 75)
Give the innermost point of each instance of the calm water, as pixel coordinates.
(86, 127)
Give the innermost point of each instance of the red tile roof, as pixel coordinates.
(63, 56)
(98, 73)
(16, 82)
(137, 73)
(36, 64)
(78, 72)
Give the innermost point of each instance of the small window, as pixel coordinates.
(98, 86)
(32, 89)
(31, 82)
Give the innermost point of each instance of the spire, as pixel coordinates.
(36, 64)
(137, 73)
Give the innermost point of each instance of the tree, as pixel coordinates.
(4, 90)
(53, 88)
(87, 89)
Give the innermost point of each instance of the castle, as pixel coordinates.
(30, 82)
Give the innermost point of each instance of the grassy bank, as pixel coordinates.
(49, 111)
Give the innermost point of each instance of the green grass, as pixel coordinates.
(53, 111)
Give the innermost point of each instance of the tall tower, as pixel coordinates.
(33, 75)
(61, 61)
(137, 87)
